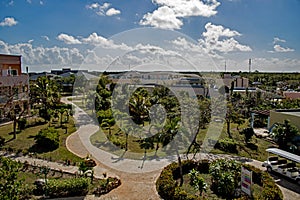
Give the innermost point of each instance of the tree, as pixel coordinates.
(45, 96)
(10, 184)
(284, 133)
(48, 138)
(248, 133)
(139, 104)
(197, 181)
(14, 110)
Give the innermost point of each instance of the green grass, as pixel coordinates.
(25, 140)
(100, 140)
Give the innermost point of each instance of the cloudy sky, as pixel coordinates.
(51, 34)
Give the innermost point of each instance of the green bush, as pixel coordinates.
(166, 184)
(269, 189)
(226, 175)
(2, 141)
(68, 187)
(48, 138)
(227, 145)
(22, 123)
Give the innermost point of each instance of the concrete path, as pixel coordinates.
(138, 177)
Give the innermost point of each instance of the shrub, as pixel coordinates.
(2, 141)
(22, 123)
(166, 184)
(67, 187)
(248, 133)
(226, 176)
(227, 145)
(269, 189)
(48, 138)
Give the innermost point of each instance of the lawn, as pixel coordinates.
(25, 140)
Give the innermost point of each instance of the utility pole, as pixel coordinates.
(249, 65)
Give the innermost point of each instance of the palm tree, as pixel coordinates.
(139, 106)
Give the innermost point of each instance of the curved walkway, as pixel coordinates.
(138, 177)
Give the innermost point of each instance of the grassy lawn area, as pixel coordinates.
(255, 149)
(25, 140)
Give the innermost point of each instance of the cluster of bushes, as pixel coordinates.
(269, 189)
(227, 145)
(67, 187)
(167, 186)
(226, 175)
(106, 185)
(48, 138)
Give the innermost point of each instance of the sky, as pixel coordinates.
(52, 34)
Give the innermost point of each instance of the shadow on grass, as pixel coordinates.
(40, 149)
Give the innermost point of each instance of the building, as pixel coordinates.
(291, 95)
(278, 116)
(237, 81)
(14, 86)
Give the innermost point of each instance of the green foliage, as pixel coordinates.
(10, 185)
(197, 181)
(67, 187)
(269, 189)
(284, 133)
(248, 133)
(227, 145)
(166, 184)
(2, 141)
(48, 138)
(22, 123)
(226, 176)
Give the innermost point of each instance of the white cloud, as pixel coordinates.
(8, 21)
(218, 38)
(112, 11)
(97, 40)
(164, 17)
(278, 48)
(43, 56)
(45, 37)
(68, 39)
(103, 10)
(276, 40)
(170, 12)
(11, 3)
(28, 1)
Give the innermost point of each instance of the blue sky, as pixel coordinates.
(62, 33)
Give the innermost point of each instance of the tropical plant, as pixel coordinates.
(226, 175)
(10, 184)
(197, 181)
(283, 133)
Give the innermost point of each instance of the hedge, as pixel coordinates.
(67, 187)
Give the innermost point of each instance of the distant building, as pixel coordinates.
(278, 116)
(291, 95)
(237, 81)
(14, 86)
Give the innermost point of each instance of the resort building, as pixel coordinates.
(14, 86)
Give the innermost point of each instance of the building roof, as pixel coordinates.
(284, 154)
(262, 112)
(291, 95)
